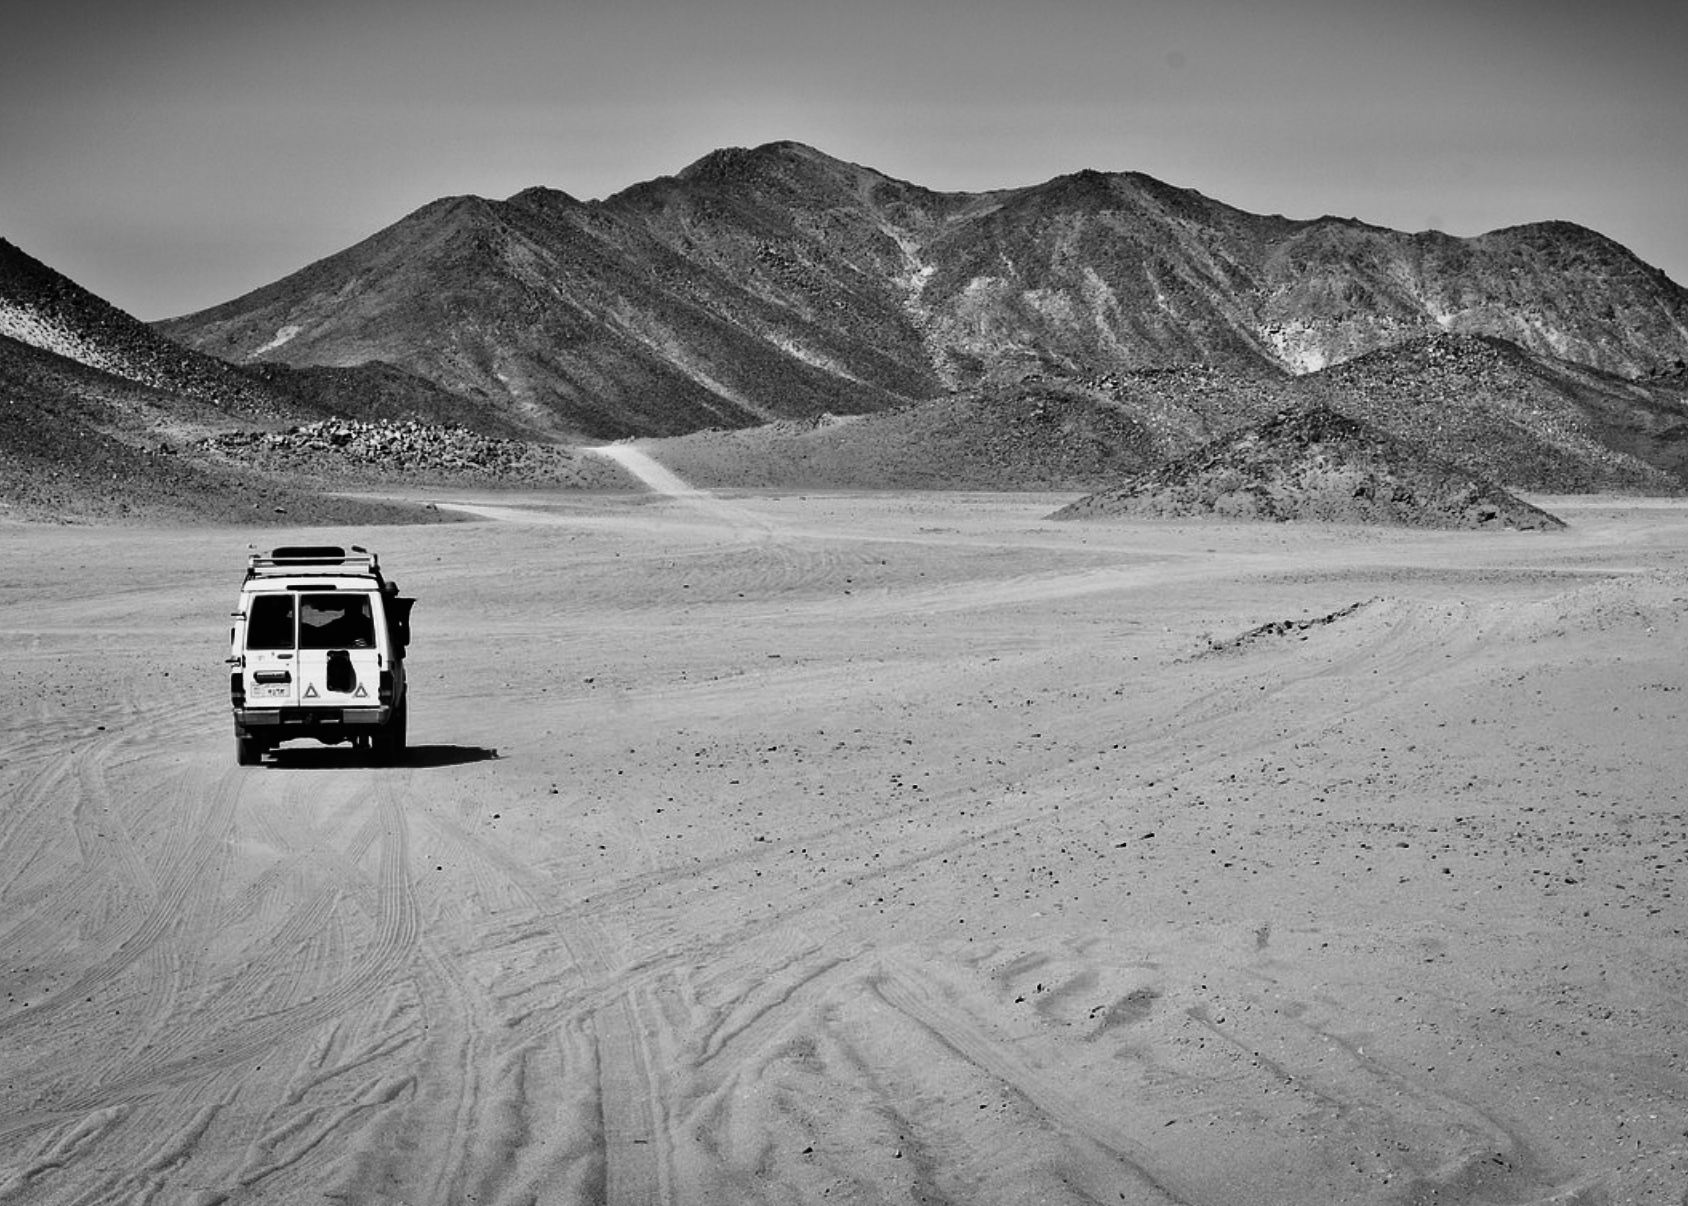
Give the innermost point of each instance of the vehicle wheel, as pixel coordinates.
(248, 751)
(390, 743)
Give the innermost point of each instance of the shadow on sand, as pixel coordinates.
(342, 757)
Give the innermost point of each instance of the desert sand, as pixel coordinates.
(868, 847)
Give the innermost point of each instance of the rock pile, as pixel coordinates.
(358, 447)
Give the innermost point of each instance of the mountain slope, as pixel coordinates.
(778, 282)
(43, 309)
(559, 315)
(1314, 463)
(98, 415)
(1506, 416)
(82, 444)
(1032, 437)
(1481, 405)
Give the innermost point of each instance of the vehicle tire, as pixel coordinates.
(248, 751)
(390, 742)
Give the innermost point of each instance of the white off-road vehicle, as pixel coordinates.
(317, 651)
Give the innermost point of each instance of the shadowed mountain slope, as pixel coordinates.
(81, 444)
(780, 283)
(99, 415)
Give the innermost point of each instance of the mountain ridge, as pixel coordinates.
(778, 282)
(786, 319)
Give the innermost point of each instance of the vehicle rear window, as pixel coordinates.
(269, 623)
(341, 621)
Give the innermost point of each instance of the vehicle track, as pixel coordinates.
(736, 936)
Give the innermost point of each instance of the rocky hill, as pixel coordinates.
(1313, 463)
(1037, 436)
(42, 309)
(103, 418)
(780, 283)
(80, 444)
(1481, 404)
(1529, 422)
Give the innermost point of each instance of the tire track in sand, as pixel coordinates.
(902, 987)
(246, 1015)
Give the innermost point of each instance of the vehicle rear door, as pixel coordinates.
(339, 662)
(271, 670)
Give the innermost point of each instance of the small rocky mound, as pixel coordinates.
(1315, 463)
(1034, 435)
(366, 449)
(1508, 417)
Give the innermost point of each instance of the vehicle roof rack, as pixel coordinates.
(313, 559)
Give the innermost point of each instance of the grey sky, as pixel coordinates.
(171, 156)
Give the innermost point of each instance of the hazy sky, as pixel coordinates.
(174, 154)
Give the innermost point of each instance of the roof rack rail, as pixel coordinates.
(313, 559)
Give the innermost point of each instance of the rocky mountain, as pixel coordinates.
(1529, 422)
(99, 415)
(792, 320)
(1477, 403)
(42, 309)
(781, 283)
(79, 443)
(1315, 463)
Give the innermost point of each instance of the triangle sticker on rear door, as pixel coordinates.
(360, 693)
(310, 692)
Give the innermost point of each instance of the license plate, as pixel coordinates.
(268, 691)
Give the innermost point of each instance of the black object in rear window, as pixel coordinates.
(335, 622)
(269, 625)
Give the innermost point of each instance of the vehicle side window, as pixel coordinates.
(269, 623)
(339, 621)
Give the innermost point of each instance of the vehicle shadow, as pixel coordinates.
(416, 757)
(446, 755)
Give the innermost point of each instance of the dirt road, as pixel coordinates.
(861, 848)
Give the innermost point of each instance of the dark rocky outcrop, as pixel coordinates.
(1315, 464)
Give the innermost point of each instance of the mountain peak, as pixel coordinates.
(730, 164)
(539, 197)
(776, 281)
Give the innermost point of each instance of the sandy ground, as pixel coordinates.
(862, 848)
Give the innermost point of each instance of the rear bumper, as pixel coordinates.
(281, 722)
